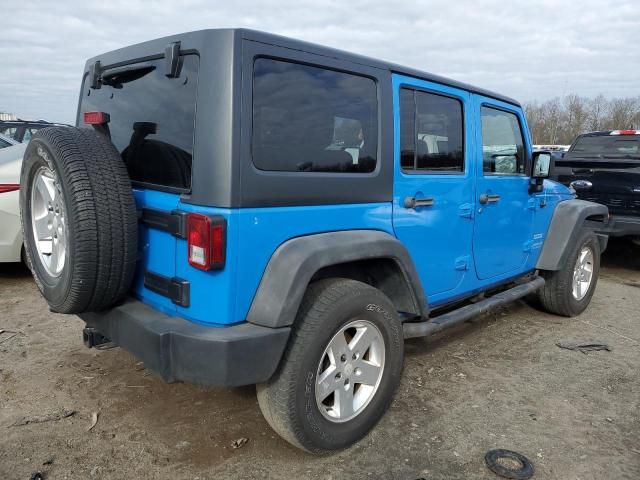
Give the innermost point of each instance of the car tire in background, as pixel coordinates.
(568, 291)
(341, 368)
(79, 219)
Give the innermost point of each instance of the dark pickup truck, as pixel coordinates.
(604, 167)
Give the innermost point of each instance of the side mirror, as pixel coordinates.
(541, 165)
(540, 170)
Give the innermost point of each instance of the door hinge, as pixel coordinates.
(462, 263)
(531, 204)
(466, 210)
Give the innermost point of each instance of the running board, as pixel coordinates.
(422, 329)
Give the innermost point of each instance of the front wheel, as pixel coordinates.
(568, 291)
(341, 368)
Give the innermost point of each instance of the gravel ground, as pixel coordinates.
(499, 382)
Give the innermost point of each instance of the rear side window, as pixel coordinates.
(152, 119)
(311, 119)
(431, 133)
(502, 143)
(28, 133)
(611, 146)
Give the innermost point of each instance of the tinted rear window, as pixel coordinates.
(152, 119)
(311, 119)
(607, 145)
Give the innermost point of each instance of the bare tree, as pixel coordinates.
(559, 121)
(597, 112)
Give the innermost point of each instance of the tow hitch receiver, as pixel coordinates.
(93, 338)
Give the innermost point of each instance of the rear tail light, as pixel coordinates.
(96, 118)
(9, 187)
(206, 240)
(625, 132)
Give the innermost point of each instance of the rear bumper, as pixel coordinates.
(179, 350)
(622, 225)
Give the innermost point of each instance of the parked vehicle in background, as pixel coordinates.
(6, 141)
(10, 232)
(22, 130)
(557, 151)
(240, 208)
(604, 167)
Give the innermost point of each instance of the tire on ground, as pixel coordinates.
(92, 189)
(556, 296)
(288, 400)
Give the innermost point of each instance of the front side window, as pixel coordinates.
(431, 133)
(502, 143)
(310, 119)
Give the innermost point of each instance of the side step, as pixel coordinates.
(422, 329)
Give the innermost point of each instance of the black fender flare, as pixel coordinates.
(294, 263)
(568, 221)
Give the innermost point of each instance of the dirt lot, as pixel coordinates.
(500, 382)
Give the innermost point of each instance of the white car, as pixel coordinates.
(10, 231)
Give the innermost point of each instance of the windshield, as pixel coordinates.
(607, 146)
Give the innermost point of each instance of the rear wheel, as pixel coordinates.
(79, 219)
(568, 291)
(341, 368)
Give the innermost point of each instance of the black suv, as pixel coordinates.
(604, 167)
(22, 130)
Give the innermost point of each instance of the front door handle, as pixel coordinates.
(413, 202)
(489, 198)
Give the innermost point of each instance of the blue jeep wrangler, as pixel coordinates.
(238, 208)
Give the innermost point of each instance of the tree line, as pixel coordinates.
(558, 121)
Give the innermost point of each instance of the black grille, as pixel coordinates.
(617, 203)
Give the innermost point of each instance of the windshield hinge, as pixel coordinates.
(172, 60)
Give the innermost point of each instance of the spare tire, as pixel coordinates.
(79, 219)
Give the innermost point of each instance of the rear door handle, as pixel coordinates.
(413, 202)
(489, 198)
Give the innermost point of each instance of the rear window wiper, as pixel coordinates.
(118, 76)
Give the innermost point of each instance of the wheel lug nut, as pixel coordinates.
(338, 376)
(343, 358)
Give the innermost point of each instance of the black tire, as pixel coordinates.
(524, 472)
(101, 219)
(288, 400)
(556, 296)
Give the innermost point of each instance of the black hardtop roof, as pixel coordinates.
(203, 38)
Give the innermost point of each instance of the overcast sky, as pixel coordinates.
(527, 49)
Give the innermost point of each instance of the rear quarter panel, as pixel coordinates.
(223, 297)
